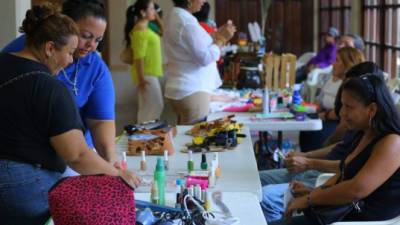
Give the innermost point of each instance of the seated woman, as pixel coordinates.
(341, 128)
(346, 58)
(41, 130)
(304, 167)
(371, 170)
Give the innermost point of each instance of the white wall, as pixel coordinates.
(117, 22)
(13, 13)
(116, 25)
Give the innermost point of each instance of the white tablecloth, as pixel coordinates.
(270, 125)
(239, 167)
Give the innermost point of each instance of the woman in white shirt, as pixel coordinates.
(191, 54)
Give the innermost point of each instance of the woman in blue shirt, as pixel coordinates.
(88, 77)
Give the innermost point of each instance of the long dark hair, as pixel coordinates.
(202, 15)
(357, 71)
(81, 9)
(371, 88)
(132, 17)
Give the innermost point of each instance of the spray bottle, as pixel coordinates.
(159, 177)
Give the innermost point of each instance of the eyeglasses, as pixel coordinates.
(90, 36)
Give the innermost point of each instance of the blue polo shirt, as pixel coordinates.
(96, 96)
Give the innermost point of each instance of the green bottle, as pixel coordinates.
(159, 177)
(190, 164)
(203, 164)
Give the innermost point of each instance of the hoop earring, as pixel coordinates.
(370, 121)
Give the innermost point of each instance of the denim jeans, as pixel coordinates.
(275, 183)
(280, 176)
(23, 193)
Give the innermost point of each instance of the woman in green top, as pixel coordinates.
(147, 65)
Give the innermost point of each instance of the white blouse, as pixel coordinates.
(190, 56)
(328, 93)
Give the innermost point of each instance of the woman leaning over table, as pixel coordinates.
(147, 66)
(371, 171)
(191, 54)
(88, 78)
(40, 128)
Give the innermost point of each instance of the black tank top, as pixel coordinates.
(384, 202)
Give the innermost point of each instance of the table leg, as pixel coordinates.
(280, 143)
(280, 139)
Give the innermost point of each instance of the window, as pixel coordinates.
(381, 31)
(335, 13)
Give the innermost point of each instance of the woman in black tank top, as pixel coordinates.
(371, 171)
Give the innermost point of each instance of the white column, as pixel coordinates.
(13, 13)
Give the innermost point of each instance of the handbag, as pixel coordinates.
(324, 215)
(93, 199)
(126, 55)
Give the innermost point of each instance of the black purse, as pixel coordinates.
(324, 215)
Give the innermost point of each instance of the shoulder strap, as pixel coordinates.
(21, 76)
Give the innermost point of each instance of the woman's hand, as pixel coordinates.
(142, 84)
(294, 205)
(129, 177)
(299, 189)
(225, 32)
(296, 163)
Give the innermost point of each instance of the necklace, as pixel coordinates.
(73, 83)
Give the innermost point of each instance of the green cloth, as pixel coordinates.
(146, 45)
(154, 27)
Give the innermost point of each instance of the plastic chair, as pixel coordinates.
(304, 59)
(322, 178)
(313, 82)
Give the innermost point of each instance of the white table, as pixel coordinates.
(270, 125)
(239, 167)
(243, 205)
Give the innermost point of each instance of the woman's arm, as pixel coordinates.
(103, 136)
(160, 24)
(139, 66)
(139, 43)
(194, 39)
(383, 163)
(320, 153)
(337, 135)
(72, 148)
